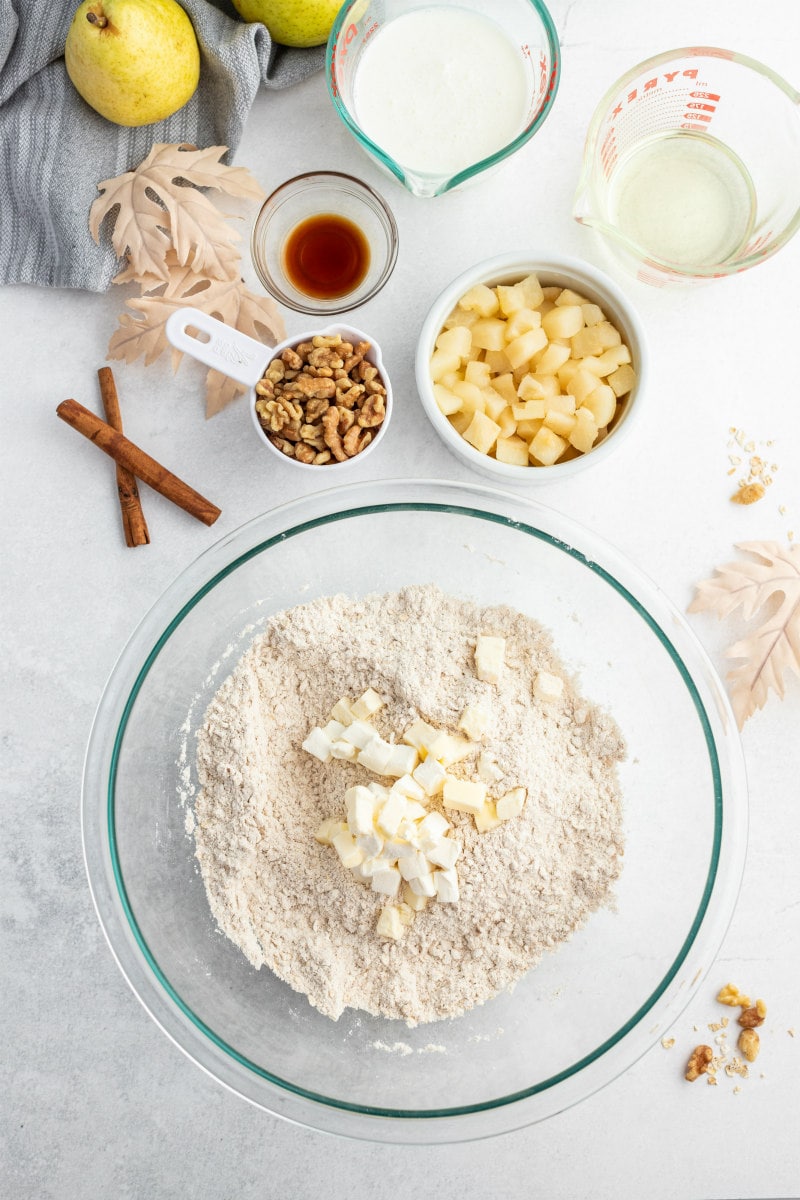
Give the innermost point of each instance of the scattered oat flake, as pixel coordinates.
(668, 1042)
(711, 1080)
(790, 1032)
(736, 1090)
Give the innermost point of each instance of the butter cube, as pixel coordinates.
(547, 687)
(333, 730)
(349, 853)
(375, 755)
(378, 789)
(359, 734)
(446, 883)
(512, 803)
(475, 720)
(415, 902)
(328, 830)
(344, 750)
(409, 787)
(430, 775)
(419, 733)
(361, 807)
(391, 813)
(444, 853)
(372, 844)
(389, 923)
(402, 761)
(488, 769)
(341, 712)
(448, 749)
(431, 828)
(386, 880)
(487, 818)
(414, 810)
(318, 744)
(407, 914)
(413, 866)
(423, 885)
(464, 796)
(367, 705)
(489, 658)
(395, 848)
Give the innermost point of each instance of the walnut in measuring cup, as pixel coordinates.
(321, 401)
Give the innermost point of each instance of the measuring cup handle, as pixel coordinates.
(226, 349)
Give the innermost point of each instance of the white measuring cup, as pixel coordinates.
(244, 359)
(691, 166)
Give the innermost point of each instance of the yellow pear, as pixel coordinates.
(292, 22)
(133, 61)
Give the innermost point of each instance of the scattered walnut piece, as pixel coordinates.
(751, 1017)
(748, 493)
(731, 995)
(698, 1062)
(321, 401)
(749, 1044)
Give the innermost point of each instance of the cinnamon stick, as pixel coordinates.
(133, 522)
(129, 455)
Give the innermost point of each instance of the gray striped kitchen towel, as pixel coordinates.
(54, 149)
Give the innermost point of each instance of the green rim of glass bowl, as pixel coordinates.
(499, 156)
(639, 609)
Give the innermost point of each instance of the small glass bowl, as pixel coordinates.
(314, 194)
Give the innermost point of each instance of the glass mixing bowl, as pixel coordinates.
(590, 1009)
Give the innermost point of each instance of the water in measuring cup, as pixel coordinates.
(441, 88)
(683, 197)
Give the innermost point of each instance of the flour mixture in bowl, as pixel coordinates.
(524, 774)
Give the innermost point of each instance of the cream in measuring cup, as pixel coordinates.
(437, 93)
(692, 165)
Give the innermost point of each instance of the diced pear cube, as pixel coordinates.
(486, 818)
(478, 373)
(612, 358)
(547, 447)
(566, 372)
(457, 340)
(532, 291)
(551, 292)
(504, 385)
(563, 402)
(530, 389)
(470, 396)
(449, 378)
(489, 334)
(584, 431)
(592, 314)
(528, 429)
(560, 422)
(563, 322)
(521, 322)
(602, 404)
(448, 402)
(522, 349)
(441, 363)
(460, 316)
(460, 421)
(548, 383)
(493, 402)
(482, 432)
(529, 410)
(610, 334)
(551, 358)
(507, 422)
(587, 341)
(497, 362)
(622, 380)
(581, 384)
(481, 299)
(510, 298)
(512, 450)
(567, 298)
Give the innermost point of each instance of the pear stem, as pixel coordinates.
(97, 20)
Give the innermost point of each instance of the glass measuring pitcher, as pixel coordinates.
(692, 166)
(437, 91)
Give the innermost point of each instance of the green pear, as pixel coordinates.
(292, 22)
(133, 61)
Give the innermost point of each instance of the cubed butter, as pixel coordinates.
(318, 744)
(389, 923)
(547, 687)
(367, 705)
(444, 853)
(446, 883)
(386, 880)
(475, 721)
(410, 897)
(391, 813)
(376, 755)
(342, 712)
(489, 658)
(447, 749)
(512, 803)
(463, 795)
(402, 761)
(349, 853)
(487, 818)
(430, 775)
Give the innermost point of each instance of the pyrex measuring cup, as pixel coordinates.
(692, 166)
(522, 30)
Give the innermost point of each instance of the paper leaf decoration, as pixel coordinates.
(159, 206)
(770, 588)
